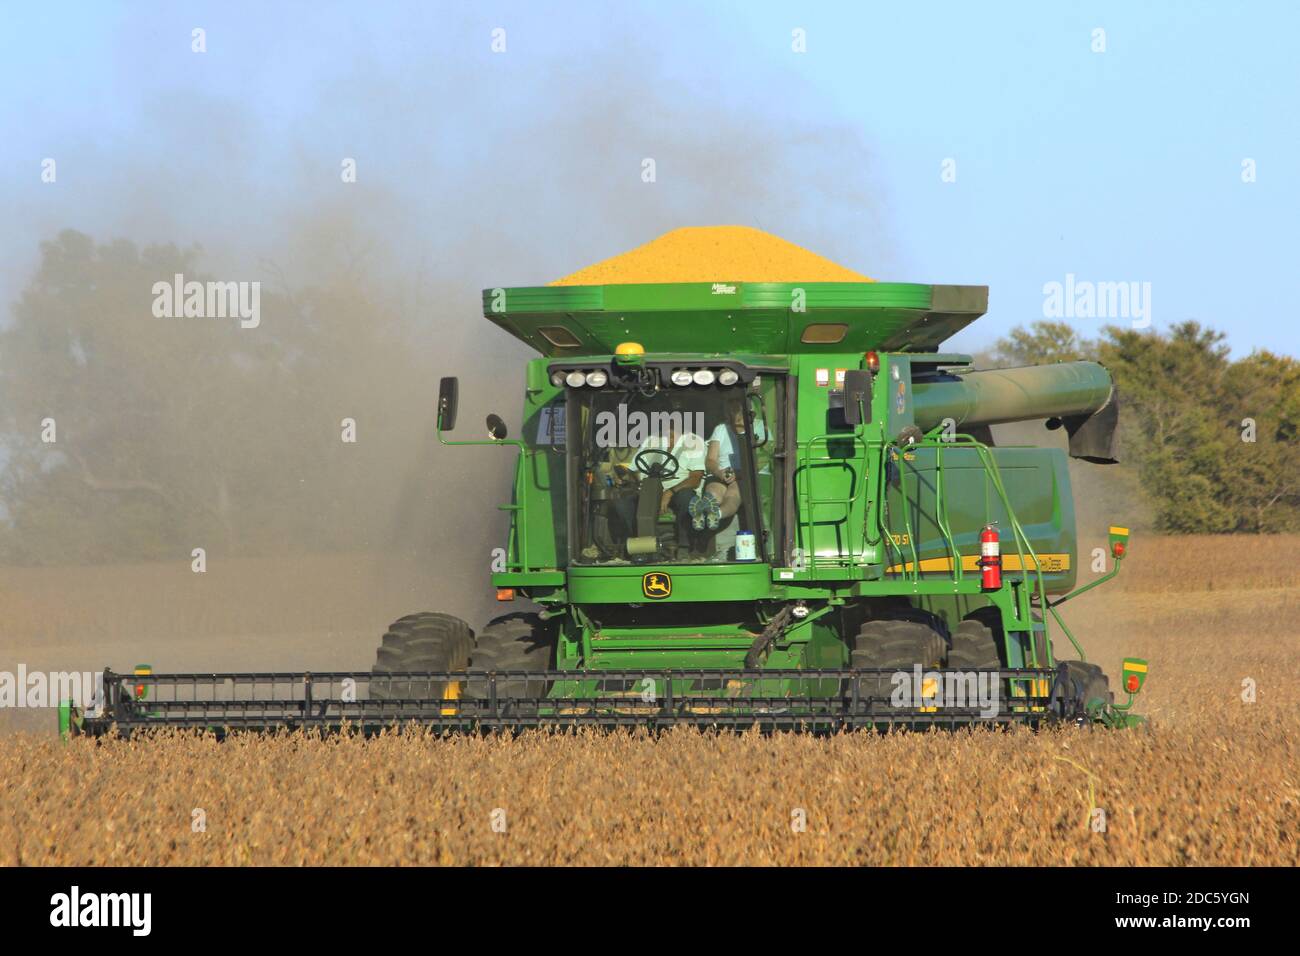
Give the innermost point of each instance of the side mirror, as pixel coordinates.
(857, 396)
(447, 392)
(496, 428)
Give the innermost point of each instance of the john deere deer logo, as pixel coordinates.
(656, 584)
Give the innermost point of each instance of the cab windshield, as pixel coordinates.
(684, 475)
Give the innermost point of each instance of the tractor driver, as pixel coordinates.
(688, 448)
(619, 474)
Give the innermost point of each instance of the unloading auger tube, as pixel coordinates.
(1079, 395)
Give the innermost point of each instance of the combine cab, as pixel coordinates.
(740, 504)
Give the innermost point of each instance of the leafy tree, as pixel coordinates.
(1043, 343)
(1265, 390)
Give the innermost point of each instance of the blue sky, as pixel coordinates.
(1124, 165)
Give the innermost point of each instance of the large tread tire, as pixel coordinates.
(897, 645)
(1085, 684)
(426, 641)
(428, 627)
(515, 642)
(977, 643)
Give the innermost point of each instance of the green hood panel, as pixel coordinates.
(686, 583)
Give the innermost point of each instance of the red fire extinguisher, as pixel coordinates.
(990, 559)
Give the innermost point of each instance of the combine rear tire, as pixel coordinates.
(515, 642)
(898, 646)
(420, 642)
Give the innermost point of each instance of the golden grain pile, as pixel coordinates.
(714, 254)
(1216, 780)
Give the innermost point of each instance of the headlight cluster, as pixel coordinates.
(704, 376)
(598, 378)
(595, 378)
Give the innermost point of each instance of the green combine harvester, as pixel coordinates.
(739, 504)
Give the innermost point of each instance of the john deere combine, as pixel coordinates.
(740, 504)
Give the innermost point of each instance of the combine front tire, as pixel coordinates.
(420, 642)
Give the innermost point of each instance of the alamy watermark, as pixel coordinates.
(918, 688)
(630, 429)
(49, 688)
(1085, 299)
(129, 910)
(208, 300)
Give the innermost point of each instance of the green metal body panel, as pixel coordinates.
(723, 317)
(691, 584)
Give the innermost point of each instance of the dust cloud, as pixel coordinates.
(471, 173)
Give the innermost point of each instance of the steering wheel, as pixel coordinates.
(666, 468)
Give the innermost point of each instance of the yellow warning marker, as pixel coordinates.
(451, 692)
(929, 691)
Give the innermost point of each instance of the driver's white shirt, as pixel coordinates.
(689, 450)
